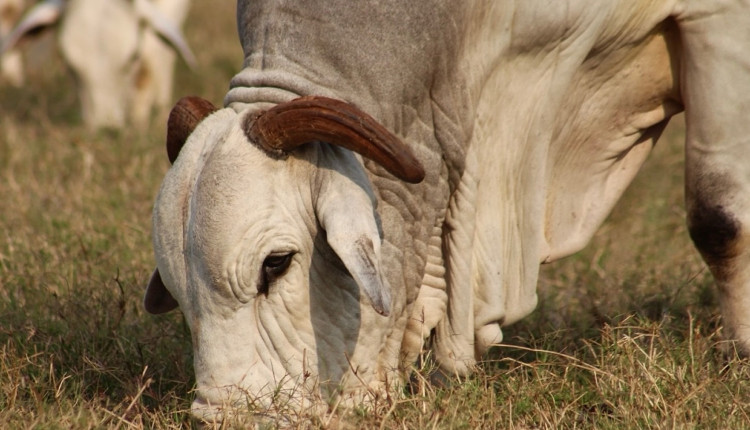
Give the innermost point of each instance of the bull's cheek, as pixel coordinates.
(286, 332)
(347, 332)
(230, 360)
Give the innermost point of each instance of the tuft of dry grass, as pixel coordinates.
(627, 334)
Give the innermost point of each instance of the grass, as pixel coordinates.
(627, 333)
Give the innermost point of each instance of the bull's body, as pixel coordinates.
(530, 119)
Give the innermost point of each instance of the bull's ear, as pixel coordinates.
(361, 256)
(158, 299)
(354, 236)
(184, 117)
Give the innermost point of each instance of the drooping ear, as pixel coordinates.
(166, 28)
(346, 214)
(43, 15)
(158, 299)
(184, 117)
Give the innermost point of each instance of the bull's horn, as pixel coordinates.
(42, 15)
(166, 28)
(307, 119)
(184, 117)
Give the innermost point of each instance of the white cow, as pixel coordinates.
(300, 265)
(11, 64)
(121, 51)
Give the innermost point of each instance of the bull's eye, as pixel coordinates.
(273, 267)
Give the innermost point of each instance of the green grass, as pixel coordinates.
(627, 333)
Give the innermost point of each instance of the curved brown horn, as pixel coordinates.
(307, 119)
(184, 117)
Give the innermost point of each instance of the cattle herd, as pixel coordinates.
(388, 176)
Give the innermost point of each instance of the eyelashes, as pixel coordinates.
(274, 266)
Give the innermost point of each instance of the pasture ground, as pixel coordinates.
(627, 333)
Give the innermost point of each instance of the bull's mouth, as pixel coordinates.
(243, 410)
(236, 415)
(208, 411)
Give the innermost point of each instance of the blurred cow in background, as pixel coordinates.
(11, 66)
(122, 53)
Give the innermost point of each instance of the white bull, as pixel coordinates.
(299, 264)
(122, 53)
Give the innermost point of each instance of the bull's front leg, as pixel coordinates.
(716, 92)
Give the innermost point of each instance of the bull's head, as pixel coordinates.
(266, 234)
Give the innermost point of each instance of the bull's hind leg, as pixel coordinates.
(716, 92)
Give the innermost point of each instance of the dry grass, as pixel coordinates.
(627, 333)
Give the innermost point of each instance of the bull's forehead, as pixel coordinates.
(240, 188)
(242, 198)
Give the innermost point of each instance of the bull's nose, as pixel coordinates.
(206, 410)
(211, 413)
(216, 405)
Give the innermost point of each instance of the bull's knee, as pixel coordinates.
(716, 233)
